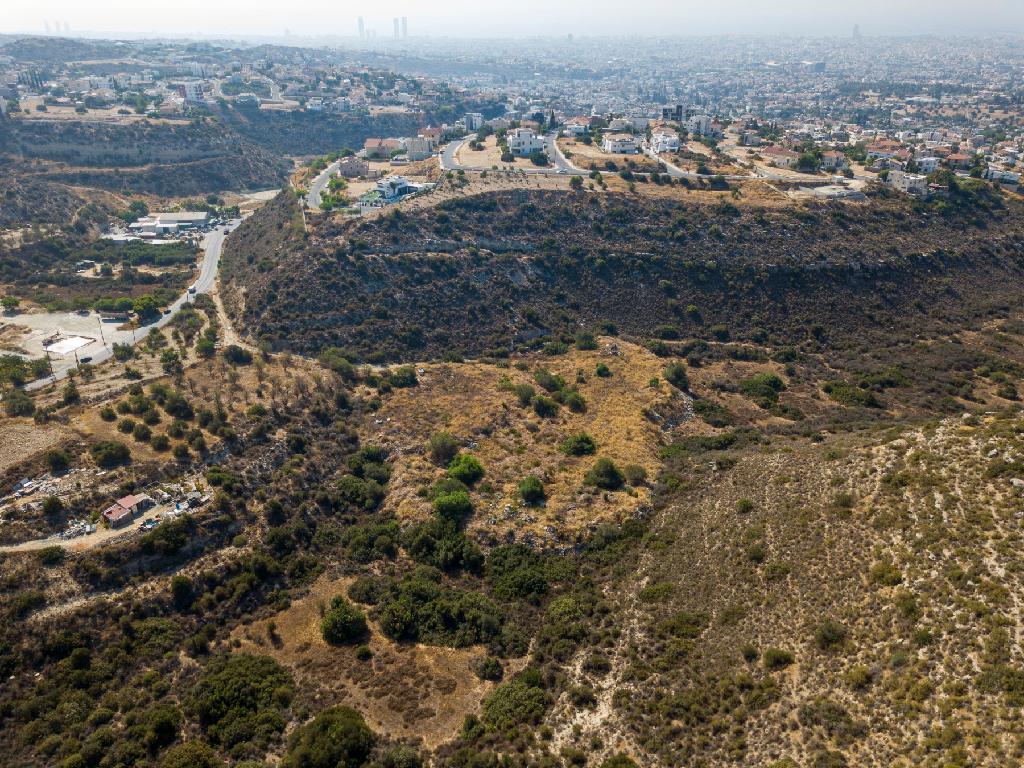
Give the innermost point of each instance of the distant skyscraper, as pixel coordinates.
(405, 26)
(856, 31)
(396, 28)
(46, 26)
(67, 27)
(362, 27)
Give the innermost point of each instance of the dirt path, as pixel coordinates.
(102, 535)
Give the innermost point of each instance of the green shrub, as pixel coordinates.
(419, 609)
(515, 571)
(466, 468)
(830, 635)
(512, 704)
(531, 489)
(18, 403)
(191, 754)
(574, 401)
(744, 506)
(675, 374)
(885, 574)
(404, 377)
(635, 474)
(602, 371)
(619, 761)
(763, 389)
(52, 555)
(604, 474)
(335, 738)
(343, 623)
(110, 453)
(524, 394)
(58, 459)
(578, 445)
(585, 341)
(548, 381)
(241, 697)
(455, 506)
(850, 396)
(489, 668)
(442, 448)
(544, 407)
(236, 355)
(776, 658)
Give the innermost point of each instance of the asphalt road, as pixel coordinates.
(559, 167)
(319, 184)
(213, 243)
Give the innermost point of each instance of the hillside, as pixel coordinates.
(161, 158)
(312, 133)
(739, 595)
(856, 288)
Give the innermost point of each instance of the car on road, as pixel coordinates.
(191, 289)
(85, 359)
(148, 525)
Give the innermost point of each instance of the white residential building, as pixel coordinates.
(577, 126)
(474, 121)
(1002, 175)
(909, 183)
(833, 161)
(664, 141)
(315, 104)
(524, 142)
(619, 144)
(699, 125)
(418, 148)
(927, 165)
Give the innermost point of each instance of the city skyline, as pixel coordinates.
(460, 18)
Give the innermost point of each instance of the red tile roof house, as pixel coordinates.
(117, 516)
(380, 147)
(960, 160)
(783, 158)
(122, 511)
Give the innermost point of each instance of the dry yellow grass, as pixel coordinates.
(592, 157)
(406, 690)
(513, 442)
(488, 157)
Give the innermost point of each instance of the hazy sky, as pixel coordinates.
(519, 17)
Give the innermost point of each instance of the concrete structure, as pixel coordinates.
(664, 141)
(474, 121)
(389, 190)
(523, 142)
(418, 148)
(699, 125)
(908, 183)
(353, 167)
(170, 223)
(782, 158)
(619, 144)
(927, 165)
(833, 161)
(190, 90)
(124, 510)
(577, 126)
(117, 516)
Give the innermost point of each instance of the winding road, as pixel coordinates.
(560, 165)
(316, 189)
(102, 349)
